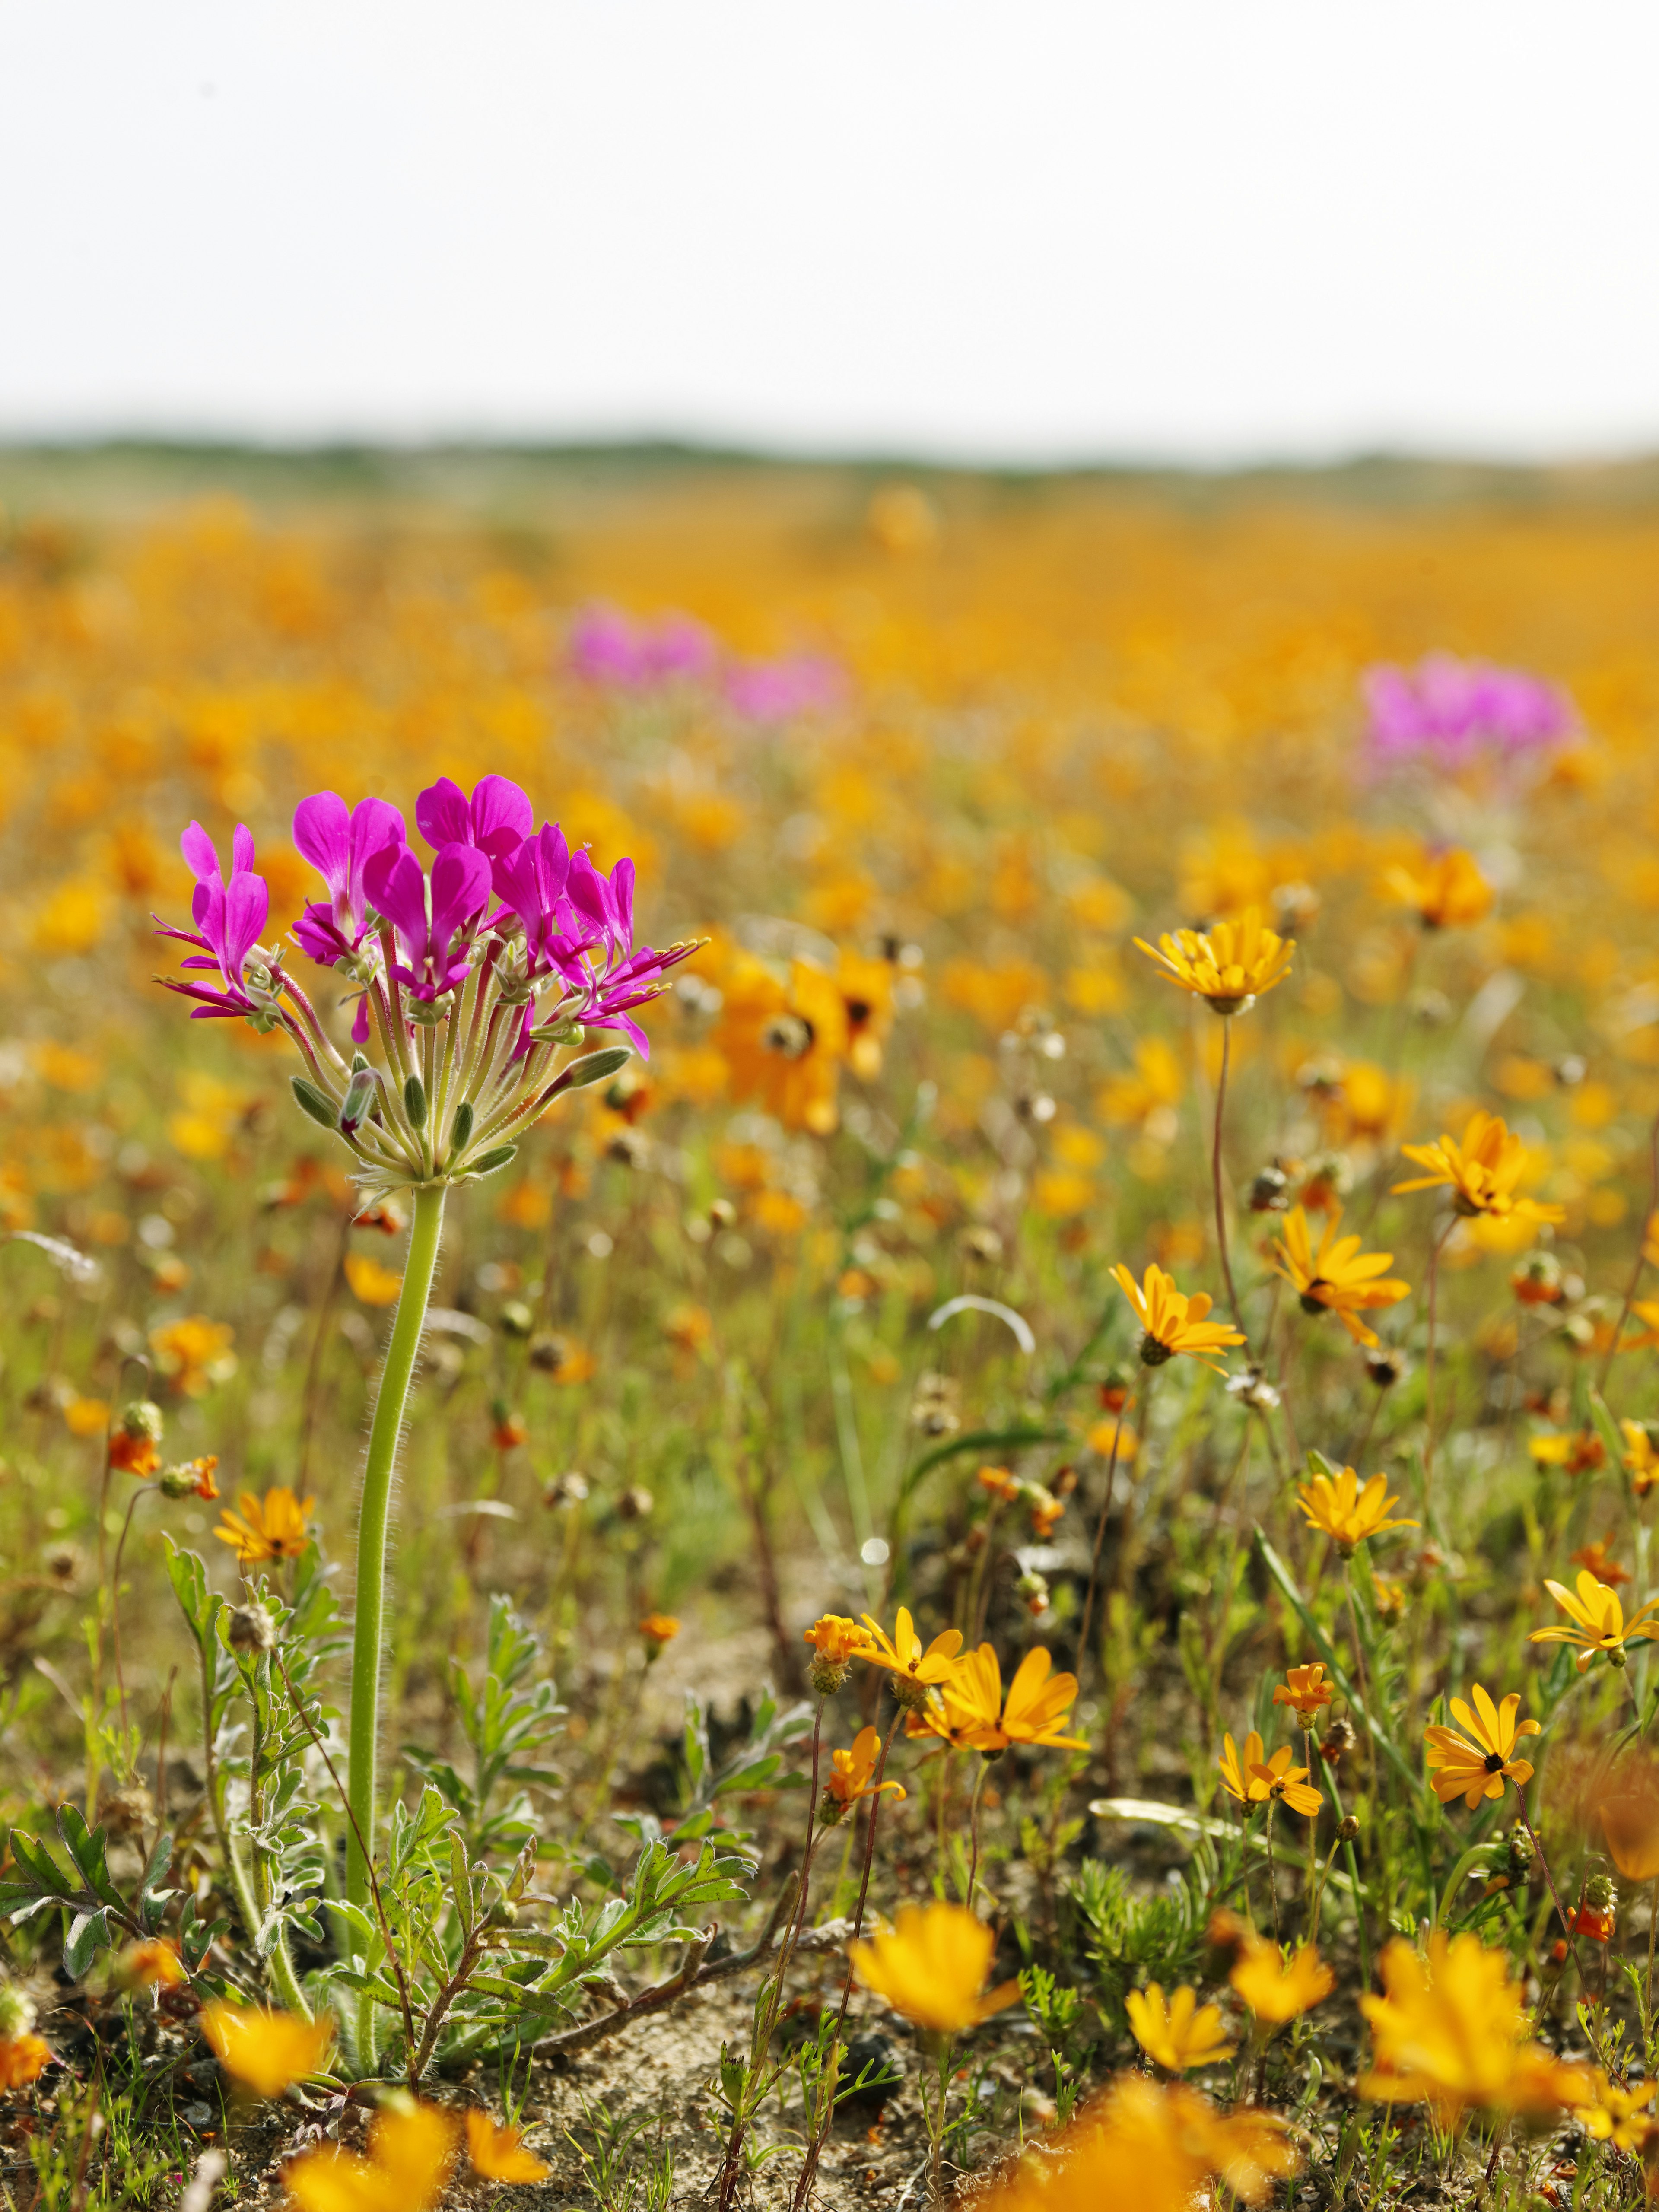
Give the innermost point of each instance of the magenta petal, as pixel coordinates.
(442, 815)
(200, 857)
(502, 816)
(322, 832)
(461, 889)
(247, 904)
(396, 885)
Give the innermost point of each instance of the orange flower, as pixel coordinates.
(411, 2149)
(971, 1712)
(1598, 1560)
(1446, 889)
(1306, 1689)
(1255, 1781)
(192, 1478)
(1478, 1769)
(1173, 1322)
(273, 1527)
(659, 1628)
(1338, 1278)
(194, 1354)
(152, 1964)
(1580, 1453)
(23, 2058)
(1229, 965)
(1276, 1991)
(783, 1039)
(1348, 1514)
(914, 1669)
(1001, 1484)
(1481, 1172)
(932, 1966)
(499, 2154)
(851, 1774)
(266, 2050)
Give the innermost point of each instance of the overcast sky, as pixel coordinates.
(1185, 228)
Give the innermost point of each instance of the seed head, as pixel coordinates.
(252, 1629)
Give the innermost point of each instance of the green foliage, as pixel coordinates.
(621, 2182)
(1132, 1940)
(94, 2157)
(507, 1721)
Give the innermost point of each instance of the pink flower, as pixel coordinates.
(607, 647)
(434, 933)
(1451, 711)
(228, 918)
(339, 845)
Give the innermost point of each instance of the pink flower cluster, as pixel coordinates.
(1451, 712)
(607, 647)
(567, 925)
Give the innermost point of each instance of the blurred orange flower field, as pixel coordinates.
(1244, 889)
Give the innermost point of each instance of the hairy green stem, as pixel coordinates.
(424, 1236)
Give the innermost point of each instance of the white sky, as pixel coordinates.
(1037, 230)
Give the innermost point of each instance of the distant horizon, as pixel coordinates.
(692, 449)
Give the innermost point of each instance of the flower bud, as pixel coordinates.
(360, 1097)
(1033, 1589)
(569, 1489)
(1521, 1851)
(142, 1420)
(635, 1504)
(490, 1162)
(252, 1629)
(1347, 1829)
(310, 1100)
(1600, 1894)
(517, 1319)
(460, 1132)
(907, 1693)
(415, 1102)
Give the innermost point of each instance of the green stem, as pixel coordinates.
(1215, 1180)
(424, 1236)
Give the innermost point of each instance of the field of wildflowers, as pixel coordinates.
(867, 1416)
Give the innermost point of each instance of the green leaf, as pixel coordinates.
(86, 1934)
(87, 1848)
(39, 1863)
(460, 1881)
